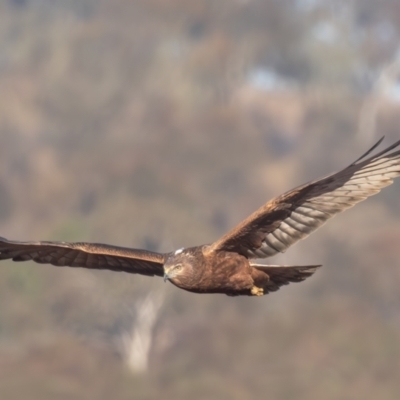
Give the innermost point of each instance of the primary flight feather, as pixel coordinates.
(225, 266)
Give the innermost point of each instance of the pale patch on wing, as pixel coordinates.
(313, 213)
(292, 216)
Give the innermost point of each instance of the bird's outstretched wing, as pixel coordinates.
(294, 215)
(86, 255)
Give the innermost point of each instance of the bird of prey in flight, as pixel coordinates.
(226, 266)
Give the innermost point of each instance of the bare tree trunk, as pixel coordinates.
(136, 343)
(370, 109)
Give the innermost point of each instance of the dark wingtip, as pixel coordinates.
(381, 153)
(370, 150)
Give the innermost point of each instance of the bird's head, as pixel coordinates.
(178, 267)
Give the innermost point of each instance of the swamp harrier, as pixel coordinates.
(225, 266)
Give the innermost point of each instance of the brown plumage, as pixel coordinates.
(225, 266)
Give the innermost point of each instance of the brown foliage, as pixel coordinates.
(137, 123)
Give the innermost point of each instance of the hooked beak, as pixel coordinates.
(166, 277)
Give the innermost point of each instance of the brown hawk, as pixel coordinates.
(225, 266)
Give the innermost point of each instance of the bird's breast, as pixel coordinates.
(218, 273)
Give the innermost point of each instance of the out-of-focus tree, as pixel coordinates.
(161, 124)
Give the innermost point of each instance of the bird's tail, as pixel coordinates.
(280, 275)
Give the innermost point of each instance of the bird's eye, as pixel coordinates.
(178, 267)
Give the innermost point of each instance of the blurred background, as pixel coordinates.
(162, 124)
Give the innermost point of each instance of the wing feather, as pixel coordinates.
(294, 215)
(86, 255)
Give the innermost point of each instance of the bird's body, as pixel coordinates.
(225, 272)
(226, 266)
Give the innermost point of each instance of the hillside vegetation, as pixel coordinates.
(162, 124)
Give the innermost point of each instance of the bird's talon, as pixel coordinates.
(256, 291)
